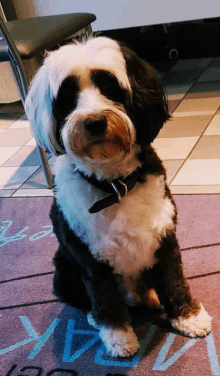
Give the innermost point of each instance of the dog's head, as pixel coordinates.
(95, 100)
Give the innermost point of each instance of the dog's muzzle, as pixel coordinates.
(99, 135)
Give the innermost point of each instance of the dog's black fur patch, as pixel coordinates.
(109, 86)
(149, 108)
(64, 104)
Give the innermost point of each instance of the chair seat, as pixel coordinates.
(33, 35)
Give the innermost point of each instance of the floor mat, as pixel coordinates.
(41, 337)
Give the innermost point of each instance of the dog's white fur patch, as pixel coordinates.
(79, 58)
(128, 234)
(119, 342)
(195, 325)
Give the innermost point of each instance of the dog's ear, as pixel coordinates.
(38, 107)
(149, 108)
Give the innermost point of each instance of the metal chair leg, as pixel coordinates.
(46, 167)
(21, 81)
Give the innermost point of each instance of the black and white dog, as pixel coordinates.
(98, 107)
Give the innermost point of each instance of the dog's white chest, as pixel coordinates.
(131, 231)
(125, 234)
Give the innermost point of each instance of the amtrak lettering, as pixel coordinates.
(162, 362)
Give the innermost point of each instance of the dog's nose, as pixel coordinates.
(95, 127)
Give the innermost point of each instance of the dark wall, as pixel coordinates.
(9, 10)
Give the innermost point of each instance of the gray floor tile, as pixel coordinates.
(37, 180)
(15, 137)
(215, 63)
(181, 77)
(185, 64)
(14, 177)
(211, 74)
(6, 192)
(26, 156)
(204, 90)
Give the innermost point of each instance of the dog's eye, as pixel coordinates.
(109, 86)
(66, 100)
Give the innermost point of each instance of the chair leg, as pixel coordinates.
(46, 167)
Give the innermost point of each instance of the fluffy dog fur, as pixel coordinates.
(98, 107)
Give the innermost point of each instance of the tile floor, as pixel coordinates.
(189, 144)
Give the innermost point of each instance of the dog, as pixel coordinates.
(98, 107)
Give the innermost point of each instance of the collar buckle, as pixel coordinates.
(119, 197)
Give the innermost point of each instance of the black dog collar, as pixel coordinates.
(118, 189)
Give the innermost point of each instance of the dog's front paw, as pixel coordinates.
(195, 325)
(119, 342)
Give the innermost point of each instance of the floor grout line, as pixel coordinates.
(186, 159)
(170, 183)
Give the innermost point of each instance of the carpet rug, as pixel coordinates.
(41, 337)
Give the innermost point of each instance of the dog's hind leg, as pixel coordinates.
(141, 291)
(67, 283)
(185, 313)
